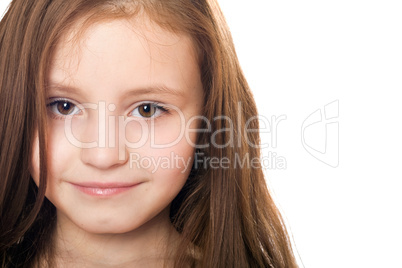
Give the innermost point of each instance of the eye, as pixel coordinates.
(148, 110)
(63, 108)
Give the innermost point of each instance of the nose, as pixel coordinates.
(104, 158)
(108, 152)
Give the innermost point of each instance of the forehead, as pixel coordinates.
(122, 52)
(151, 36)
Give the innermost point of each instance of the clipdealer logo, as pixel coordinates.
(320, 134)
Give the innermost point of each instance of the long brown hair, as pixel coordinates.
(225, 215)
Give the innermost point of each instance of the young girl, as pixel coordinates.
(128, 139)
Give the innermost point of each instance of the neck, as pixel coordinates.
(150, 246)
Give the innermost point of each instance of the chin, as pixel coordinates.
(112, 227)
(120, 223)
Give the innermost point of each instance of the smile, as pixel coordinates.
(102, 189)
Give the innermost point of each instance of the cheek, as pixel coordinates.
(170, 163)
(171, 168)
(61, 154)
(158, 134)
(34, 165)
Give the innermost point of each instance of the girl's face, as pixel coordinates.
(120, 143)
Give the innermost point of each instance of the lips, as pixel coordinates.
(104, 189)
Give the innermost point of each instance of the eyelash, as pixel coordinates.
(159, 109)
(56, 115)
(54, 102)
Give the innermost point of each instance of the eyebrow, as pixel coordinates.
(154, 89)
(148, 90)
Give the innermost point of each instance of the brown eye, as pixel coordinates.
(147, 110)
(63, 108)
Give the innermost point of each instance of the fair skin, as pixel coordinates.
(111, 213)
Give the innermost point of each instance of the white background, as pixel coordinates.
(298, 57)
